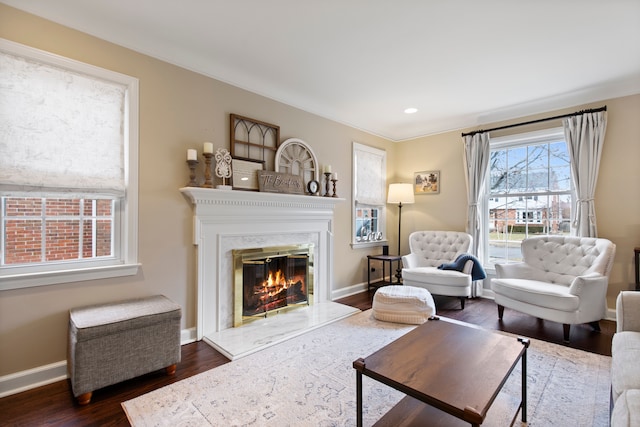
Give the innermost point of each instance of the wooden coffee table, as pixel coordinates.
(451, 373)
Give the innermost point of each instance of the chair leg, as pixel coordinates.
(462, 299)
(595, 325)
(500, 311)
(566, 329)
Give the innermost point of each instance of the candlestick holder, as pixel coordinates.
(192, 173)
(334, 187)
(208, 177)
(327, 179)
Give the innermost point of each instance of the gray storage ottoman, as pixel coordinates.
(110, 343)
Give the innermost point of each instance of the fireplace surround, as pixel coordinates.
(228, 220)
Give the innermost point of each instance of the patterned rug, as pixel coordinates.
(309, 381)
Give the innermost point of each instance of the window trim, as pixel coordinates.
(125, 262)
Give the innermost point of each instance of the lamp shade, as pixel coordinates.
(401, 193)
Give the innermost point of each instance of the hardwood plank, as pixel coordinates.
(53, 404)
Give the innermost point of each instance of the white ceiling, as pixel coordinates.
(461, 63)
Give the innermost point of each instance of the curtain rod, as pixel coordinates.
(577, 113)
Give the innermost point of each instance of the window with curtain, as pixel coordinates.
(369, 185)
(68, 172)
(529, 192)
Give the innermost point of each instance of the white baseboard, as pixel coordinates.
(348, 291)
(32, 378)
(47, 374)
(187, 336)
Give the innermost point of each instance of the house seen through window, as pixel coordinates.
(529, 192)
(40, 230)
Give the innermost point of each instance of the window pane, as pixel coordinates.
(516, 170)
(23, 241)
(103, 238)
(17, 206)
(538, 157)
(62, 207)
(87, 238)
(537, 169)
(498, 171)
(62, 239)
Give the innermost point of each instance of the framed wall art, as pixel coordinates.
(245, 174)
(426, 182)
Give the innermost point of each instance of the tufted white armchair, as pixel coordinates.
(562, 279)
(429, 249)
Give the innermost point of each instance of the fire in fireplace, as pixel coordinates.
(268, 280)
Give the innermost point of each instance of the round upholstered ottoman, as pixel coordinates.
(403, 304)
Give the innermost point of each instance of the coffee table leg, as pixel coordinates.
(524, 342)
(359, 399)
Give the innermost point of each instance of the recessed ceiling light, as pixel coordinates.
(411, 110)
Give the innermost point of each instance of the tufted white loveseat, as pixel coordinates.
(563, 279)
(429, 249)
(625, 352)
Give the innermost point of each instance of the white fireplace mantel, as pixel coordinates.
(224, 220)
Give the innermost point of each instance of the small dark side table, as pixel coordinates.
(384, 258)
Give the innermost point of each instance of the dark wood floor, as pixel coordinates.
(53, 405)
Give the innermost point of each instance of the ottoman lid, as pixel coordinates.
(406, 294)
(101, 319)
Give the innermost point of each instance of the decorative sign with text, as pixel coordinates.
(277, 182)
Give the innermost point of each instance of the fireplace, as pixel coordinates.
(224, 221)
(271, 280)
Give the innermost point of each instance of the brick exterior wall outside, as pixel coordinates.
(63, 226)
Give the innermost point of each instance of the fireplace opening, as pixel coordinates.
(272, 279)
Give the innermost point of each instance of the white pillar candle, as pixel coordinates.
(207, 147)
(327, 168)
(335, 176)
(192, 154)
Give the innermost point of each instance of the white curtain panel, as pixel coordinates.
(584, 135)
(476, 166)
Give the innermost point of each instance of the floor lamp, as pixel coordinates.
(400, 193)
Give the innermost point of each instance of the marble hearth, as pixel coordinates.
(224, 220)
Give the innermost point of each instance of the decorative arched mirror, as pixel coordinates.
(295, 157)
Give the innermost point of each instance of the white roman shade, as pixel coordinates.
(370, 175)
(60, 131)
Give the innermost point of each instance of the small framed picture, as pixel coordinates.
(426, 182)
(245, 174)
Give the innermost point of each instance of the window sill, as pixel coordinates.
(362, 245)
(29, 280)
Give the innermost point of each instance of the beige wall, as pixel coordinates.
(180, 109)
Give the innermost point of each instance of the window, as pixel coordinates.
(68, 172)
(529, 192)
(369, 184)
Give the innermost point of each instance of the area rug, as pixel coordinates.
(310, 381)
